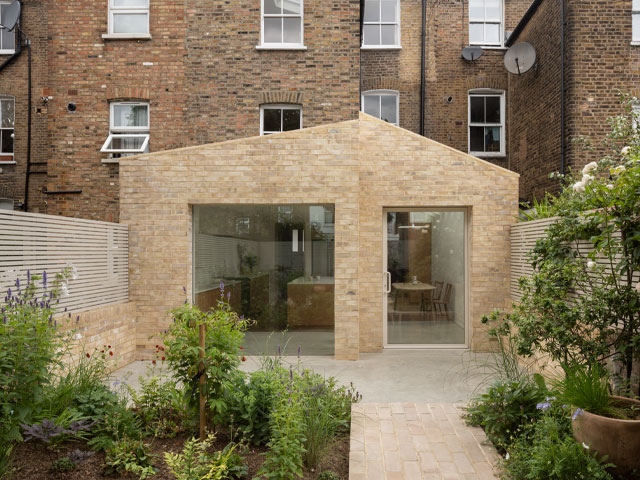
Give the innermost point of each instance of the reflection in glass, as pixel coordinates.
(277, 267)
(426, 261)
(130, 22)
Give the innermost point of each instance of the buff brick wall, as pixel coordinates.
(14, 83)
(113, 325)
(360, 166)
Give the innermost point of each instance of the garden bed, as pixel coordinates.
(32, 461)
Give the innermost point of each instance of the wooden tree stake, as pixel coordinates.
(203, 379)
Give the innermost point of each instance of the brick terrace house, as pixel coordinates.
(118, 77)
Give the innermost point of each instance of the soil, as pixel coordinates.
(32, 461)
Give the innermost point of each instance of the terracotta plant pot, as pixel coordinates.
(618, 439)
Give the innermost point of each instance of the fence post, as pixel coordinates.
(203, 379)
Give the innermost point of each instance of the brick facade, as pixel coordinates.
(360, 166)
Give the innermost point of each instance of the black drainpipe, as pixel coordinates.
(423, 66)
(30, 107)
(562, 91)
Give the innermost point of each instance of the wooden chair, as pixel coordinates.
(441, 304)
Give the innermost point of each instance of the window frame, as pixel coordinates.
(503, 122)
(484, 22)
(281, 45)
(5, 51)
(124, 132)
(280, 106)
(397, 44)
(381, 93)
(635, 13)
(12, 154)
(113, 10)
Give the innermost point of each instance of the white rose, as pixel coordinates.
(618, 170)
(610, 186)
(64, 291)
(77, 336)
(625, 151)
(591, 264)
(589, 167)
(587, 179)
(578, 187)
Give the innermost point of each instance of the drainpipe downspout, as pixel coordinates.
(562, 90)
(423, 66)
(30, 107)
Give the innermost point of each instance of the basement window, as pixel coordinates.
(382, 104)
(7, 120)
(128, 18)
(282, 24)
(486, 123)
(280, 118)
(7, 38)
(381, 24)
(129, 130)
(485, 23)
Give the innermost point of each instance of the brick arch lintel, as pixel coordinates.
(127, 93)
(381, 83)
(281, 97)
(484, 82)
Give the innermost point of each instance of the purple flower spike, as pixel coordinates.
(576, 414)
(229, 295)
(290, 373)
(28, 276)
(18, 283)
(44, 279)
(78, 319)
(299, 348)
(222, 286)
(184, 289)
(543, 406)
(8, 293)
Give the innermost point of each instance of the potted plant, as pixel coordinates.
(606, 424)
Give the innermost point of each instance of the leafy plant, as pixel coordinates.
(63, 464)
(120, 423)
(547, 451)
(129, 455)
(196, 463)
(78, 456)
(161, 407)
(53, 433)
(328, 475)
(505, 409)
(224, 336)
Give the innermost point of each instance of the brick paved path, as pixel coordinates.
(417, 441)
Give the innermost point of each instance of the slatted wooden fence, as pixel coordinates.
(98, 250)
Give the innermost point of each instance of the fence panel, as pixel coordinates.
(98, 250)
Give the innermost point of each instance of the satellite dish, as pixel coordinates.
(520, 58)
(11, 14)
(471, 53)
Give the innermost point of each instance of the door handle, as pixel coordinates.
(387, 288)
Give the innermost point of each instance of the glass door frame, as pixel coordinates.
(467, 278)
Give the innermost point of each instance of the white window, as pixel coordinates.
(129, 129)
(381, 24)
(7, 121)
(485, 22)
(382, 104)
(7, 38)
(486, 123)
(635, 19)
(128, 18)
(282, 23)
(280, 118)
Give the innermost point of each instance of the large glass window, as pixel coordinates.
(280, 118)
(485, 22)
(426, 278)
(486, 123)
(129, 129)
(275, 265)
(7, 38)
(382, 104)
(128, 17)
(282, 23)
(7, 123)
(381, 24)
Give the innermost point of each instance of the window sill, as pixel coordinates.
(110, 160)
(482, 155)
(126, 36)
(280, 47)
(635, 43)
(491, 47)
(8, 162)
(381, 47)
(7, 52)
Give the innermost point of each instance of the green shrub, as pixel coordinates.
(129, 455)
(162, 408)
(549, 452)
(196, 463)
(121, 422)
(505, 410)
(63, 464)
(328, 475)
(224, 336)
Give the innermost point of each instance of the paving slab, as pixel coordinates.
(429, 441)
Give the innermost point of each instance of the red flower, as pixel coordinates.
(153, 361)
(163, 359)
(101, 351)
(156, 346)
(241, 348)
(109, 346)
(88, 356)
(244, 359)
(111, 353)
